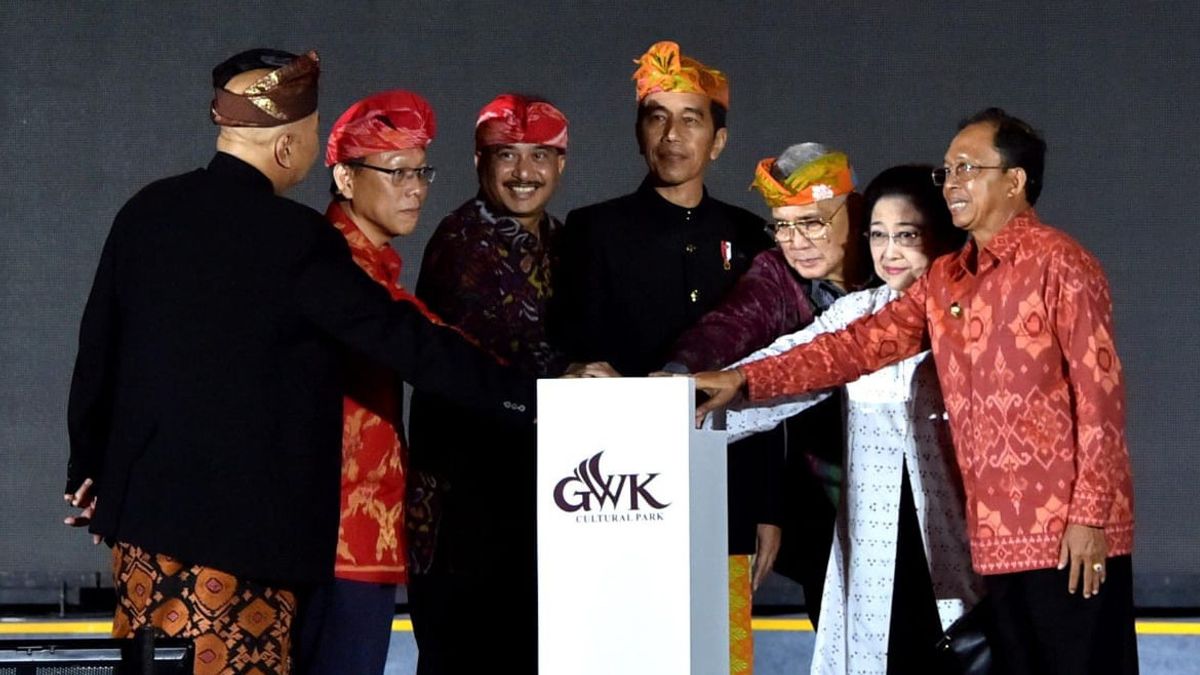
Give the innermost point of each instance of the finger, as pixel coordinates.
(95, 539)
(1073, 576)
(81, 493)
(1064, 554)
(719, 397)
(761, 567)
(1089, 577)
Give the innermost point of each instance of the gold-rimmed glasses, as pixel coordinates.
(812, 228)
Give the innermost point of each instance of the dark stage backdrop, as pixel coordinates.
(102, 97)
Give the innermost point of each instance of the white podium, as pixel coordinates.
(632, 542)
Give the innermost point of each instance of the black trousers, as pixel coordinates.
(1040, 629)
(915, 625)
(467, 624)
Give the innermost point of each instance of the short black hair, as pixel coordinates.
(720, 115)
(911, 182)
(1018, 143)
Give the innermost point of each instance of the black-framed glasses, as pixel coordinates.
(905, 238)
(812, 228)
(962, 172)
(424, 174)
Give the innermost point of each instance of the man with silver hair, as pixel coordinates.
(819, 257)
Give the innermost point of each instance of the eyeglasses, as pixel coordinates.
(905, 239)
(424, 174)
(962, 172)
(812, 228)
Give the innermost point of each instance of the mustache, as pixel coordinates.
(669, 151)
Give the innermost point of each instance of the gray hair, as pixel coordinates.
(797, 156)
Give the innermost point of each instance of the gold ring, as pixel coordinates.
(1097, 567)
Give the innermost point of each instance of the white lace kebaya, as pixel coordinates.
(895, 421)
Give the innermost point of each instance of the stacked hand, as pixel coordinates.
(722, 387)
(594, 369)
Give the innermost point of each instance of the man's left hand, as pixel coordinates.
(84, 499)
(1085, 549)
(769, 538)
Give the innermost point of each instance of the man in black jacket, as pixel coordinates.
(205, 408)
(639, 269)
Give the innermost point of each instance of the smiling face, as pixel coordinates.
(823, 257)
(677, 135)
(520, 179)
(895, 221)
(982, 204)
(382, 208)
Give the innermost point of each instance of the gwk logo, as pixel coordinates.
(589, 488)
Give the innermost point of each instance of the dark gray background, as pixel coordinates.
(101, 98)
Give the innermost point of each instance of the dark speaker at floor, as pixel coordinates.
(142, 655)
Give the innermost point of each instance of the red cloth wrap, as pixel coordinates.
(511, 119)
(391, 120)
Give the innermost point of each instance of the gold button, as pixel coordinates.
(694, 295)
(690, 248)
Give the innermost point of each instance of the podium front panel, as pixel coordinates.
(632, 541)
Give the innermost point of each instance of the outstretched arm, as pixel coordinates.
(897, 332)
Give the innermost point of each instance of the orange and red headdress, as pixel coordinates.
(664, 69)
(810, 174)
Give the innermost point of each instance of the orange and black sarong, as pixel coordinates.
(237, 626)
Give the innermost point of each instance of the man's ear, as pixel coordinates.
(343, 178)
(1017, 179)
(284, 148)
(719, 140)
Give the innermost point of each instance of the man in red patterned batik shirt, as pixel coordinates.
(380, 180)
(1020, 323)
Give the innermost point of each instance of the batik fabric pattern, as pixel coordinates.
(1021, 331)
(895, 423)
(371, 533)
(236, 625)
(490, 278)
(741, 629)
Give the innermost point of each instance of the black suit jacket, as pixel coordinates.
(634, 273)
(207, 394)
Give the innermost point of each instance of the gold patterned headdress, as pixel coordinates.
(286, 94)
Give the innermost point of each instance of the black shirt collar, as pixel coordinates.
(665, 212)
(231, 168)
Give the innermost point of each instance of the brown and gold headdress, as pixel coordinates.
(286, 94)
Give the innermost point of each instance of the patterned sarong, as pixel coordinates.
(237, 626)
(741, 636)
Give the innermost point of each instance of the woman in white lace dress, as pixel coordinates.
(900, 569)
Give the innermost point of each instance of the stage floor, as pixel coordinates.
(782, 645)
